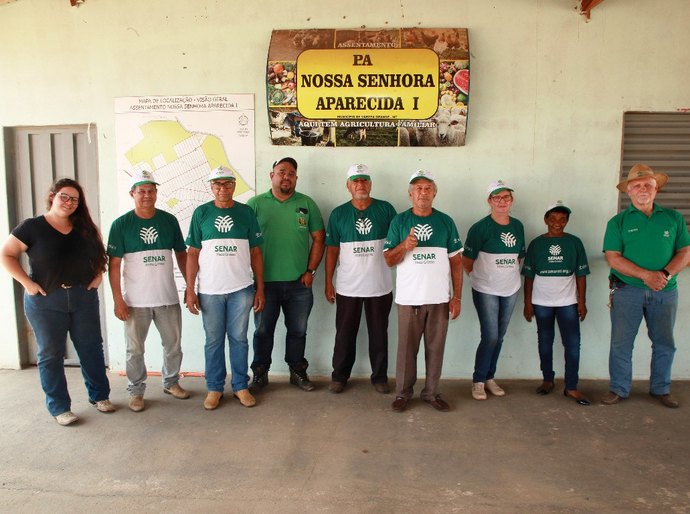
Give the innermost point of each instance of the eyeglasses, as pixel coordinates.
(227, 184)
(65, 198)
(502, 198)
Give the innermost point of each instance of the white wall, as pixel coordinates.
(548, 92)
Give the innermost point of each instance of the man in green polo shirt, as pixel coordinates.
(646, 246)
(288, 220)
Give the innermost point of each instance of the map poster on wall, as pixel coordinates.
(368, 87)
(181, 139)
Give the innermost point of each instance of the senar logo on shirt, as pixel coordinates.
(423, 232)
(555, 251)
(154, 259)
(225, 249)
(363, 226)
(424, 257)
(148, 235)
(363, 249)
(508, 239)
(223, 223)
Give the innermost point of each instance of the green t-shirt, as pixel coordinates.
(553, 263)
(649, 242)
(146, 247)
(360, 235)
(496, 250)
(225, 237)
(287, 228)
(423, 277)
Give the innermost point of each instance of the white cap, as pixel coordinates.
(422, 174)
(358, 171)
(557, 203)
(142, 176)
(497, 187)
(220, 173)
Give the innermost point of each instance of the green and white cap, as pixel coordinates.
(419, 174)
(358, 171)
(221, 173)
(498, 186)
(141, 176)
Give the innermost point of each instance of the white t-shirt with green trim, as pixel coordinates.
(423, 277)
(146, 248)
(496, 250)
(225, 237)
(360, 235)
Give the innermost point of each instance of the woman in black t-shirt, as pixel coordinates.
(67, 260)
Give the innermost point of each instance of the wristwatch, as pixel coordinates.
(666, 272)
(312, 271)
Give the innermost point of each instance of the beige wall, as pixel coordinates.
(548, 92)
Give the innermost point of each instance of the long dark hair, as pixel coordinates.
(83, 224)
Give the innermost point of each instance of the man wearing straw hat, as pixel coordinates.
(646, 246)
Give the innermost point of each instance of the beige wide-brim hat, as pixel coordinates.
(643, 171)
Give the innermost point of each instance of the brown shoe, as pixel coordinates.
(439, 403)
(245, 397)
(136, 403)
(177, 392)
(667, 400)
(611, 398)
(382, 387)
(545, 388)
(336, 387)
(212, 400)
(399, 404)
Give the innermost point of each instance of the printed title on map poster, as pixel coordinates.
(364, 87)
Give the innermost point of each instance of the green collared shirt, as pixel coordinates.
(649, 242)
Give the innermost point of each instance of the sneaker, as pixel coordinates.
(136, 403)
(66, 418)
(177, 392)
(212, 400)
(104, 406)
(336, 387)
(494, 388)
(245, 398)
(478, 392)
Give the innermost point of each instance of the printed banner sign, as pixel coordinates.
(389, 87)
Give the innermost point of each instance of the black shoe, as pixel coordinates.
(298, 377)
(260, 379)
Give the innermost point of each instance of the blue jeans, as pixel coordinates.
(630, 305)
(569, 326)
(226, 314)
(494, 315)
(52, 317)
(296, 301)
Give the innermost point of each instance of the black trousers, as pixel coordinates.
(347, 317)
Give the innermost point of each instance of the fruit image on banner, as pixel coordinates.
(368, 87)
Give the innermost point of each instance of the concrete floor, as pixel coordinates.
(319, 452)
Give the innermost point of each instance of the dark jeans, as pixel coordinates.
(52, 317)
(296, 302)
(569, 327)
(347, 317)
